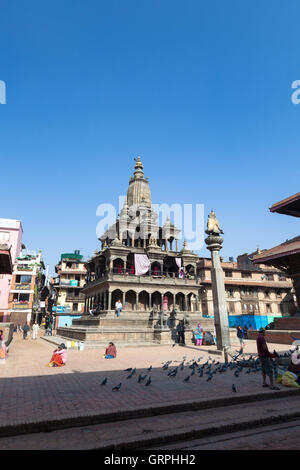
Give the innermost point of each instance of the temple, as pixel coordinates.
(140, 264)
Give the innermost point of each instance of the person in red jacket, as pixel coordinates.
(265, 359)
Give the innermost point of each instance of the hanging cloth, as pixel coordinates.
(142, 264)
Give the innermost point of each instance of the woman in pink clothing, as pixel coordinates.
(2, 346)
(59, 356)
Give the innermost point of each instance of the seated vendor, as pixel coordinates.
(294, 365)
(59, 356)
(111, 351)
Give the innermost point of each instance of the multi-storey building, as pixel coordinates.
(250, 289)
(70, 279)
(11, 236)
(27, 282)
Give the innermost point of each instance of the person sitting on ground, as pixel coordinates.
(291, 377)
(110, 351)
(59, 356)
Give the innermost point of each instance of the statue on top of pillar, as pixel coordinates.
(213, 226)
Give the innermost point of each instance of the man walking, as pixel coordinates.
(25, 330)
(265, 359)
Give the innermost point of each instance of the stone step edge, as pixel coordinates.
(195, 432)
(97, 345)
(138, 413)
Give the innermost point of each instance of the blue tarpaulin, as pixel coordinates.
(256, 321)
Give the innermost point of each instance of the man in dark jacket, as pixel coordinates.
(25, 330)
(180, 332)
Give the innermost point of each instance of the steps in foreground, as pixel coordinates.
(156, 426)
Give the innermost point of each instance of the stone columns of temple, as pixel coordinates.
(109, 300)
(214, 245)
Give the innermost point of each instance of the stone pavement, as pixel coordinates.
(33, 393)
(285, 436)
(140, 433)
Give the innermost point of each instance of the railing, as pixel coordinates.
(153, 273)
(23, 286)
(24, 268)
(128, 272)
(20, 305)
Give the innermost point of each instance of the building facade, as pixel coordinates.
(68, 284)
(11, 236)
(27, 283)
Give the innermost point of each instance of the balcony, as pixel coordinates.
(75, 298)
(151, 277)
(20, 305)
(24, 268)
(23, 286)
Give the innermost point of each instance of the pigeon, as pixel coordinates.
(187, 378)
(182, 367)
(104, 381)
(141, 378)
(149, 369)
(248, 371)
(201, 373)
(233, 388)
(173, 374)
(128, 370)
(209, 378)
(148, 382)
(117, 387)
(193, 372)
(132, 373)
(236, 373)
(173, 345)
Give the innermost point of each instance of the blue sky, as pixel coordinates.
(201, 90)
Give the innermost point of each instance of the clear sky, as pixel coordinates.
(200, 89)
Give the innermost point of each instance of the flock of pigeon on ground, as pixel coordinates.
(209, 368)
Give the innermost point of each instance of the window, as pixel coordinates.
(267, 294)
(230, 292)
(4, 236)
(269, 277)
(246, 275)
(228, 273)
(75, 307)
(281, 277)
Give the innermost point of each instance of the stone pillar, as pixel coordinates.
(109, 300)
(176, 244)
(137, 301)
(214, 244)
(174, 301)
(150, 300)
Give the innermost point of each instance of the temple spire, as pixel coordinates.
(138, 164)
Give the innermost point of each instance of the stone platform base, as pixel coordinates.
(277, 336)
(131, 328)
